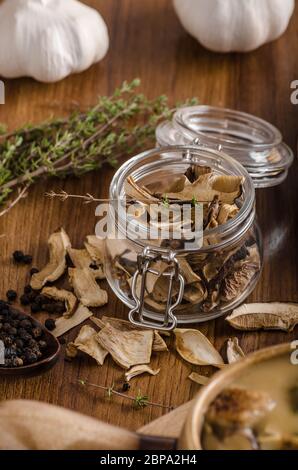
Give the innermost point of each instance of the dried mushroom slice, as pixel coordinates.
(63, 295)
(58, 244)
(138, 370)
(86, 289)
(234, 350)
(195, 348)
(226, 212)
(198, 378)
(95, 248)
(135, 192)
(195, 293)
(267, 316)
(81, 259)
(159, 343)
(65, 324)
(124, 325)
(213, 211)
(177, 185)
(86, 342)
(194, 171)
(128, 348)
(238, 407)
(237, 281)
(189, 275)
(207, 187)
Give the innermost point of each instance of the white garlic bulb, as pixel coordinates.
(234, 25)
(49, 39)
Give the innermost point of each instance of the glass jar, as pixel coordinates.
(255, 143)
(165, 283)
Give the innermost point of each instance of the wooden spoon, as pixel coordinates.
(50, 356)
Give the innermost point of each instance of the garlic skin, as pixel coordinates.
(234, 25)
(49, 39)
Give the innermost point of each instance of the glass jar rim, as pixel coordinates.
(170, 156)
(272, 137)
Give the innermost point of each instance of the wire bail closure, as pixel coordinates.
(138, 313)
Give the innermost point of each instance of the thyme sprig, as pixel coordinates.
(139, 401)
(118, 125)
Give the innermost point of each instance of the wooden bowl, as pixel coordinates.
(190, 437)
(50, 356)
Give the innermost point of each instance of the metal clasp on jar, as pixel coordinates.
(138, 315)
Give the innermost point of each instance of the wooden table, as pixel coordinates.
(147, 41)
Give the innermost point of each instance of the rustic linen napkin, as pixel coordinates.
(31, 425)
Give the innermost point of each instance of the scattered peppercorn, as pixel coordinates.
(50, 324)
(34, 271)
(27, 289)
(35, 308)
(42, 344)
(125, 387)
(27, 259)
(18, 256)
(25, 299)
(11, 295)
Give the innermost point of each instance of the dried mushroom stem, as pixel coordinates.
(58, 244)
(138, 370)
(63, 295)
(86, 289)
(199, 379)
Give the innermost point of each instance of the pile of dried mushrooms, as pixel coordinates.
(212, 278)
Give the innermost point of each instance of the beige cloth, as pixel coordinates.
(31, 425)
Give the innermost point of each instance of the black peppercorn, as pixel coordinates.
(18, 256)
(27, 259)
(50, 324)
(25, 324)
(12, 331)
(42, 344)
(30, 356)
(19, 343)
(27, 289)
(25, 300)
(11, 295)
(35, 308)
(34, 271)
(125, 386)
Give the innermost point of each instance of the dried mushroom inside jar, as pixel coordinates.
(217, 273)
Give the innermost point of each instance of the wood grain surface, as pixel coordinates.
(147, 41)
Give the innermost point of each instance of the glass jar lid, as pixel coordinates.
(255, 143)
